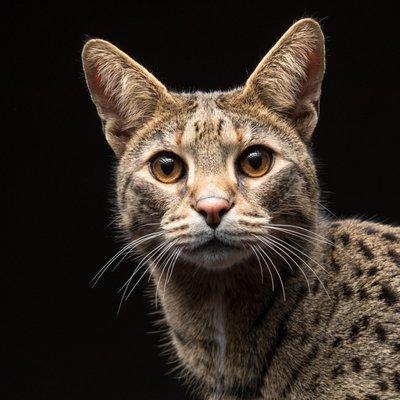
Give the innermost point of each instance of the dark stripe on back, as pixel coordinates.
(381, 332)
(220, 125)
(242, 392)
(254, 386)
(370, 231)
(345, 239)
(396, 381)
(365, 250)
(279, 338)
(388, 295)
(126, 186)
(299, 369)
(390, 236)
(180, 337)
(395, 256)
(267, 307)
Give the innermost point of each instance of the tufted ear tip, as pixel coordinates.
(89, 45)
(92, 47)
(309, 22)
(95, 55)
(98, 44)
(311, 28)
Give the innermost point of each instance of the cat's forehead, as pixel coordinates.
(212, 132)
(208, 126)
(209, 134)
(208, 130)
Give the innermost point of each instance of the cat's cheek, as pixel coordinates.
(144, 180)
(144, 200)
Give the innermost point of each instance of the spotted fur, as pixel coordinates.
(330, 329)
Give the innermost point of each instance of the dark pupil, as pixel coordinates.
(255, 160)
(167, 165)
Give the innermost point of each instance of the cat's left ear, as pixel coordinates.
(288, 79)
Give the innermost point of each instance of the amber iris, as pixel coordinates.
(256, 161)
(167, 167)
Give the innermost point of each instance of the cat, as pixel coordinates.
(263, 296)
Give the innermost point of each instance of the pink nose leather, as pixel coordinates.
(213, 209)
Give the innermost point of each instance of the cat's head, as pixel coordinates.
(214, 176)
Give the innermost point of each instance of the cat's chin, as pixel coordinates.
(216, 257)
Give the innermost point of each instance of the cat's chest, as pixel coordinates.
(219, 338)
(218, 333)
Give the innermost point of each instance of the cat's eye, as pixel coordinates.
(167, 167)
(255, 161)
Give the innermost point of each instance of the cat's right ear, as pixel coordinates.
(126, 95)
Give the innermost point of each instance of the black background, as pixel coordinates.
(67, 342)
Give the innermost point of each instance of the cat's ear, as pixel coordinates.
(288, 79)
(126, 95)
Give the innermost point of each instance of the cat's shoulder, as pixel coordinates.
(352, 229)
(363, 327)
(366, 253)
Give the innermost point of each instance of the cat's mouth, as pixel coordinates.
(215, 244)
(215, 253)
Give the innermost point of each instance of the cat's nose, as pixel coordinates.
(213, 209)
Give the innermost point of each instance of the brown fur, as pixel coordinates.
(330, 329)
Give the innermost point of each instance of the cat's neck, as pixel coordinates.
(192, 291)
(219, 320)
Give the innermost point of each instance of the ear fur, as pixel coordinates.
(288, 79)
(126, 95)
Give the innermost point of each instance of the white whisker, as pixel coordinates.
(163, 266)
(125, 286)
(300, 235)
(169, 274)
(259, 262)
(276, 270)
(300, 251)
(284, 245)
(306, 230)
(159, 258)
(289, 256)
(126, 248)
(171, 270)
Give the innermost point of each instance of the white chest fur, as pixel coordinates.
(219, 336)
